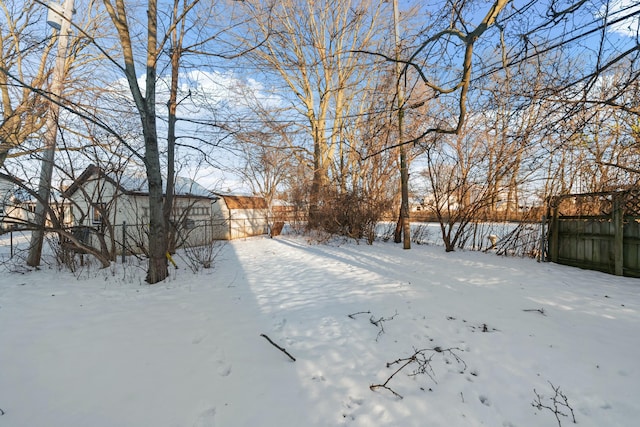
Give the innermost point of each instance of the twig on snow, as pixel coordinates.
(278, 347)
(539, 310)
(423, 359)
(352, 315)
(558, 401)
(379, 323)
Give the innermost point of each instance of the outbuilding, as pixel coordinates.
(235, 217)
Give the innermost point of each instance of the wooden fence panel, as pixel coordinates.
(597, 231)
(631, 247)
(585, 243)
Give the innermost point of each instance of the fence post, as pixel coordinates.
(543, 236)
(11, 242)
(618, 239)
(124, 240)
(554, 231)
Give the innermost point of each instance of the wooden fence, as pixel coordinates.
(596, 231)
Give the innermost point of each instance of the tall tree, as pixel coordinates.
(24, 70)
(145, 101)
(311, 48)
(50, 136)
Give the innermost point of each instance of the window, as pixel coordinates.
(98, 209)
(189, 224)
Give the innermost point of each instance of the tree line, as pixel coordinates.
(502, 104)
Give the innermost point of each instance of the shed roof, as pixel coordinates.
(244, 202)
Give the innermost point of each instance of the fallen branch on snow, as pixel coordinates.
(378, 323)
(278, 347)
(423, 359)
(539, 310)
(559, 401)
(352, 315)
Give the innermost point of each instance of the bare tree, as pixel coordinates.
(145, 101)
(589, 53)
(23, 59)
(32, 90)
(460, 182)
(310, 46)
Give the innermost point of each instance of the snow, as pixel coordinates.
(100, 348)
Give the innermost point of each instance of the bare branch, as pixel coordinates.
(278, 347)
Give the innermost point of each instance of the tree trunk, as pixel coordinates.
(318, 187)
(158, 269)
(172, 105)
(50, 136)
(397, 234)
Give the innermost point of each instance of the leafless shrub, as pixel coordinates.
(522, 241)
(422, 234)
(202, 257)
(350, 214)
(15, 263)
(385, 231)
(65, 256)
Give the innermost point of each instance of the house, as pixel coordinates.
(18, 206)
(116, 206)
(25, 210)
(7, 202)
(239, 216)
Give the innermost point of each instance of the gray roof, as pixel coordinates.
(137, 183)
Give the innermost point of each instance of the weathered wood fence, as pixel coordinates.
(596, 231)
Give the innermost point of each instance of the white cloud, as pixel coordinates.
(202, 91)
(619, 9)
(212, 89)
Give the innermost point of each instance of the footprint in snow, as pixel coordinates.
(355, 401)
(198, 337)
(484, 400)
(318, 377)
(206, 418)
(224, 368)
(277, 326)
(351, 405)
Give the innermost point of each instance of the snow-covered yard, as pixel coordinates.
(102, 349)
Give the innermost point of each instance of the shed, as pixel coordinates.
(236, 216)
